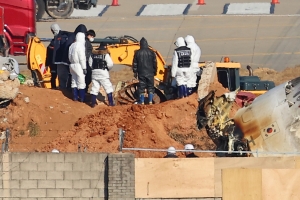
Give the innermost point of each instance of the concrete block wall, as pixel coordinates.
(121, 170)
(209, 198)
(65, 176)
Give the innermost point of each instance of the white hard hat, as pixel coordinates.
(171, 150)
(55, 151)
(188, 147)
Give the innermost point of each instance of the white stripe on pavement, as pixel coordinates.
(163, 9)
(93, 12)
(249, 8)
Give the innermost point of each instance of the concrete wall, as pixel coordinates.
(86, 176)
(67, 176)
(267, 178)
(212, 198)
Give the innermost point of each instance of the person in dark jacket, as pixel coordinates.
(60, 42)
(171, 153)
(49, 63)
(190, 154)
(90, 35)
(145, 68)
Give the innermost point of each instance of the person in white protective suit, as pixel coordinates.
(78, 66)
(101, 62)
(195, 58)
(181, 66)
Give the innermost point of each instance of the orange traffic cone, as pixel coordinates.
(275, 2)
(201, 2)
(115, 3)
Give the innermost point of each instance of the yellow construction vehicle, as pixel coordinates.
(122, 51)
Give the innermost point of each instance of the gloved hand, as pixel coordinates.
(135, 75)
(84, 71)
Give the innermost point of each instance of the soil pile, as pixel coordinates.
(37, 116)
(43, 119)
(172, 123)
(159, 126)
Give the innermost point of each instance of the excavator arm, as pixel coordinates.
(121, 51)
(36, 59)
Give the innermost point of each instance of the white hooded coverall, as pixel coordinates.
(195, 58)
(78, 61)
(182, 75)
(101, 77)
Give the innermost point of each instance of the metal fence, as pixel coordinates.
(254, 153)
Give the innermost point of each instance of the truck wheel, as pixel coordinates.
(39, 9)
(57, 11)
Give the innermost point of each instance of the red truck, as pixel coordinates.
(17, 25)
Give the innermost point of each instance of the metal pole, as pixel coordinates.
(7, 135)
(121, 139)
(212, 151)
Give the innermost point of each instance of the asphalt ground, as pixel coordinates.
(270, 41)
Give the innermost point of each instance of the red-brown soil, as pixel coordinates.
(51, 120)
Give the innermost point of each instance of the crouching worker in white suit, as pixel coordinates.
(78, 66)
(101, 63)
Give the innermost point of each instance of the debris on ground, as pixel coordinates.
(9, 88)
(51, 120)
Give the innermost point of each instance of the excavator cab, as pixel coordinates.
(229, 76)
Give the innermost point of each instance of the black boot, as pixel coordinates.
(93, 100)
(150, 98)
(82, 95)
(180, 91)
(75, 94)
(53, 81)
(142, 99)
(110, 99)
(185, 91)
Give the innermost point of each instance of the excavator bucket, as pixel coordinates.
(36, 58)
(126, 93)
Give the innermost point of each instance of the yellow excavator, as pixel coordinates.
(122, 51)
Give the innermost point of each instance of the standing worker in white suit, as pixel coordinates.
(195, 58)
(181, 66)
(78, 66)
(101, 62)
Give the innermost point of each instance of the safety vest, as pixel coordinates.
(99, 61)
(184, 57)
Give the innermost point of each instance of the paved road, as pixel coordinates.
(259, 40)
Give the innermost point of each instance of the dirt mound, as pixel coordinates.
(43, 119)
(37, 116)
(172, 123)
